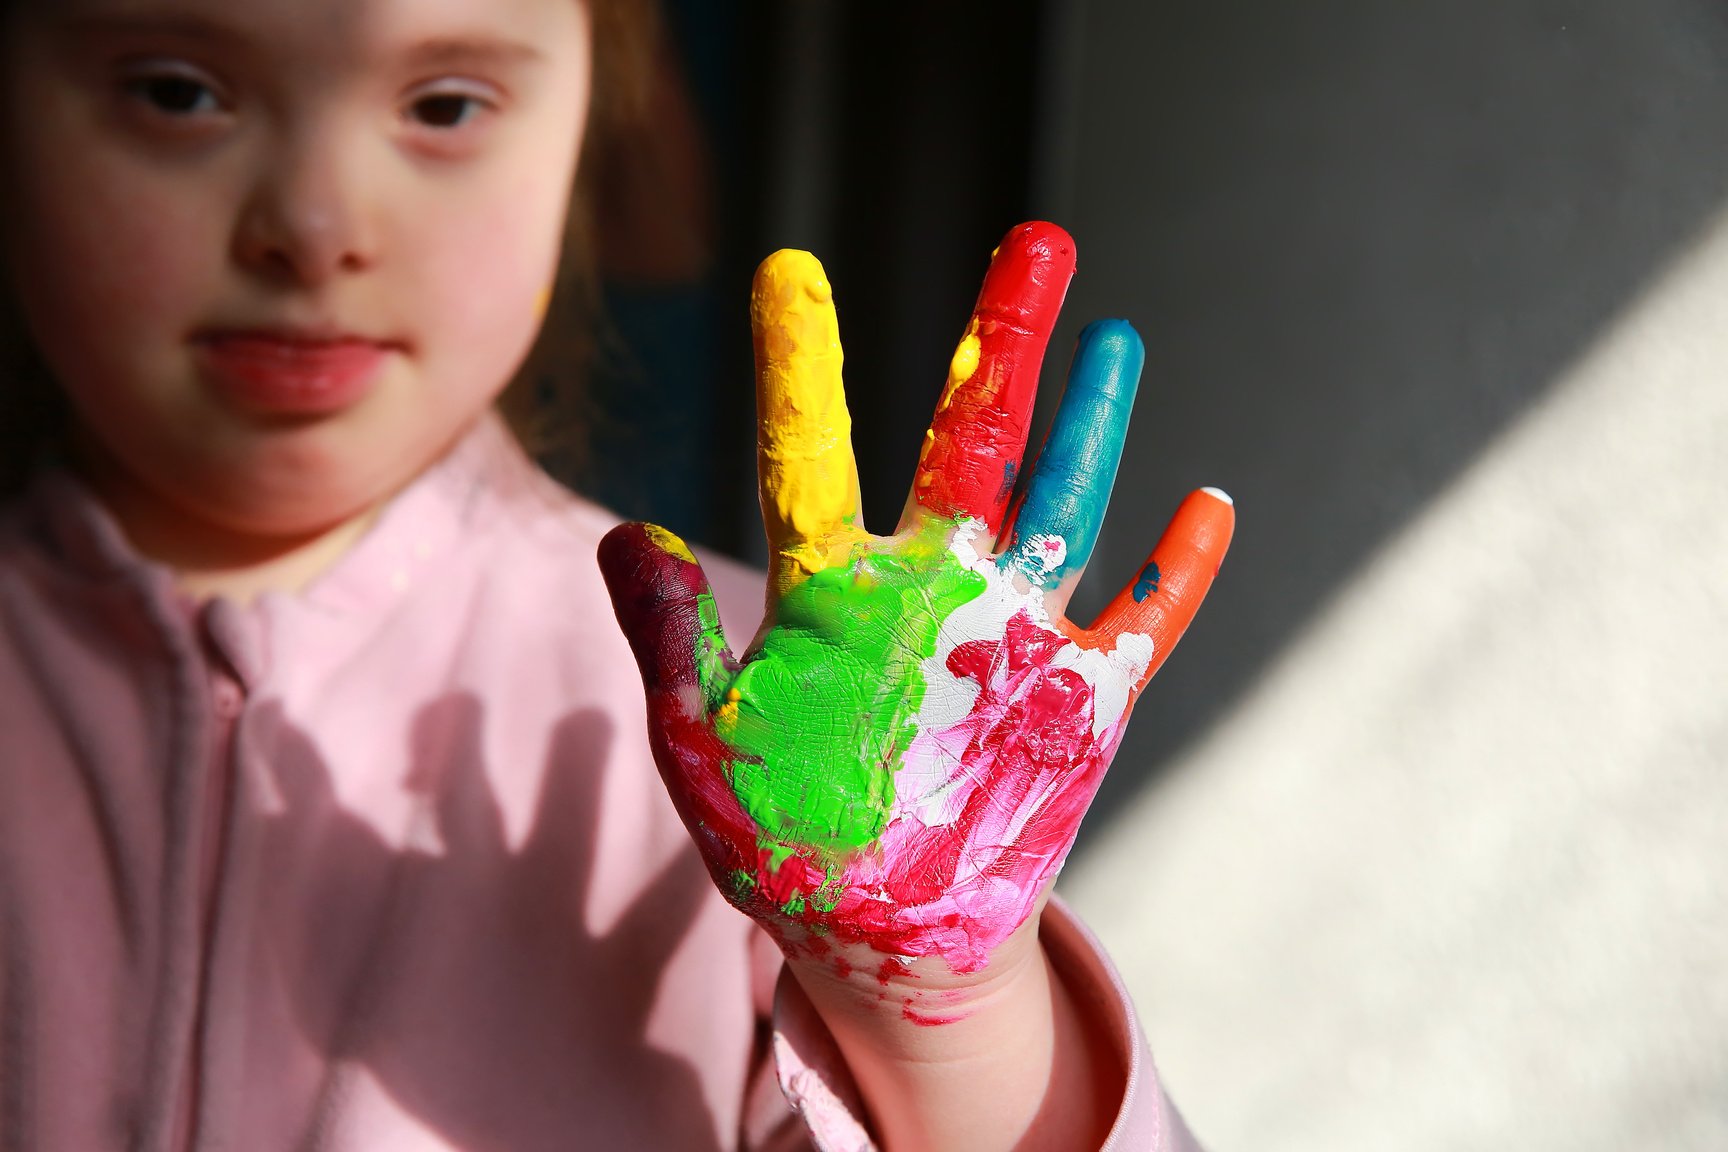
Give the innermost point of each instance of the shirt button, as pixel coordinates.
(228, 699)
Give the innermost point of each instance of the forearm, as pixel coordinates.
(1002, 1059)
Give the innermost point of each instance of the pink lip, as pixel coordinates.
(290, 373)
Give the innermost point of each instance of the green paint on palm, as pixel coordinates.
(822, 714)
(711, 651)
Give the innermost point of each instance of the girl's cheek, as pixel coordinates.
(111, 270)
(489, 281)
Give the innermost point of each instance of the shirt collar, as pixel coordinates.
(444, 505)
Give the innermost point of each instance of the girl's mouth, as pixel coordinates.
(290, 373)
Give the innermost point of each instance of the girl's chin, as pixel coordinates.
(217, 517)
(268, 513)
(240, 487)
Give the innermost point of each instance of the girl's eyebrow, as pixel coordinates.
(476, 49)
(185, 26)
(470, 49)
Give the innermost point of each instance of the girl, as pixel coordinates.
(326, 817)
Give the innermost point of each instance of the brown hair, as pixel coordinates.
(546, 404)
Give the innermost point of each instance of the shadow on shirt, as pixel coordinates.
(461, 978)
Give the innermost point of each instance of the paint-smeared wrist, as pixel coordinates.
(894, 992)
(945, 1059)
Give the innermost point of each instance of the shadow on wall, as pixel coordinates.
(1359, 239)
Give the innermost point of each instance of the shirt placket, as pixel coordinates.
(230, 652)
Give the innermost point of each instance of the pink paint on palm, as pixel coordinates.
(1017, 727)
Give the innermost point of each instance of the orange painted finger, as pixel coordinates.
(1162, 599)
(972, 451)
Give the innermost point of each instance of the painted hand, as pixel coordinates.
(902, 757)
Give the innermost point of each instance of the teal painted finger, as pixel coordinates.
(1057, 525)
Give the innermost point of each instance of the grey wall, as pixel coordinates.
(1418, 841)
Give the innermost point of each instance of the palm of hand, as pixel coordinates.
(903, 757)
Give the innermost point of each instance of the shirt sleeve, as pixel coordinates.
(817, 1084)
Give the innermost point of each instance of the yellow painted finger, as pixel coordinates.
(808, 476)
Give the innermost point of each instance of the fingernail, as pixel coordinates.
(1219, 494)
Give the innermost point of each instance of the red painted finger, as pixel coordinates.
(1163, 597)
(668, 615)
(972, 451)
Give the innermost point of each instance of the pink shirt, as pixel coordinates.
(386, 865)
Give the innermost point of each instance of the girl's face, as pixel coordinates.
(280, 253)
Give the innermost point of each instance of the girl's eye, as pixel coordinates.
(174, 95)
(446, 110)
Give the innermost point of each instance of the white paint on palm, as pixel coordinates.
(932, 784)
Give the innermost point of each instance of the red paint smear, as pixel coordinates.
(1029, 723)
(1028, 735)
(927, 1020)
(797, 876)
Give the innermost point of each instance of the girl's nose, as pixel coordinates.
(306, 222)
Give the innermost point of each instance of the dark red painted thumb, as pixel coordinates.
(657, 596)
